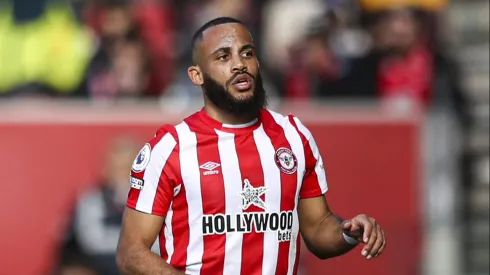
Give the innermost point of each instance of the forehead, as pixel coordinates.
(225, 35)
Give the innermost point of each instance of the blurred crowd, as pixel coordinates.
(91, 239)
(114, 49)
(140, 49)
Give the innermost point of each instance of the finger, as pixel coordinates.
(382, 248)
(367, 225)
(346, 225)
(371, 239)
(355, 232)
(377, 244)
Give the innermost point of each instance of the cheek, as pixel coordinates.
(253, 66)
(222, 76)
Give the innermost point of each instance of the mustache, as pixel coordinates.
(229, 81)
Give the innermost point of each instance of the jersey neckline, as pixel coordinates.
(232, 128)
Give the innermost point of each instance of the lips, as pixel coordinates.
(242, 82)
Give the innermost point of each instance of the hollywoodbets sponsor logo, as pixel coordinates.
(282, 223)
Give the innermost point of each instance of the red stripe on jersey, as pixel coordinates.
(180, 218)
(180, 230)
(251, 169)
(288, 185)
(134, 193)
(213, 202)
(310, 186)
(170, 173)
(133, 197)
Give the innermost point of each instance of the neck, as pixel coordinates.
(227, 118)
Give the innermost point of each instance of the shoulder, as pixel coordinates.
(165, 134)
(162, 143)
(171, 135)
(286, 121)
(166, 140)
(174, 131)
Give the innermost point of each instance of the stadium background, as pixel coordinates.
(84, 83)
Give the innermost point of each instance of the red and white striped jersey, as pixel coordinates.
(229, 193)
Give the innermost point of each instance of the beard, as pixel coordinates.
(221, 97)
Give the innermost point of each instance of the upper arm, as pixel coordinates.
(311, 213)
(154, 178)
(315, 180)
(139, 228)
(312, 206)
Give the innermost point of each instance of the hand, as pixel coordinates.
(366, 230)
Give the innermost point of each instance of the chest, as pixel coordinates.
(249, 173)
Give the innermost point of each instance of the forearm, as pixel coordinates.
(328, 240)
(142, 261)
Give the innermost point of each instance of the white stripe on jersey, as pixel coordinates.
(191, 179)
(169, 237)
(296, 143)
(272, 181)
(319, 170)
(233, 204)
(158, 159)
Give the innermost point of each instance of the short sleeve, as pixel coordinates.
(151, 184)
(315, 180)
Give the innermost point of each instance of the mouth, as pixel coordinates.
(242, 82)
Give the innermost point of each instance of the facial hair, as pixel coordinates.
(221, 97)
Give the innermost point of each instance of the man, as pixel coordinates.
(230, 188)
(98, 215)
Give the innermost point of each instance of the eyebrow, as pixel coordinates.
(228, 49)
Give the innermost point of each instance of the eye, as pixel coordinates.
(248, 54)
(223, 57)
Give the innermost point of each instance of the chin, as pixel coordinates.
(241, 94)
(244, 96)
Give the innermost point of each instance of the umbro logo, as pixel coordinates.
(210, 168)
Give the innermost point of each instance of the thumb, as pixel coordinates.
(346, 225)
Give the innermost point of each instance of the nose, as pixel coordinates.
(238, 65)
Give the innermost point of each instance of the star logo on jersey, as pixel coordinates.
(252, 196)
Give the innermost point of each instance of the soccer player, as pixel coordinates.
(230, 188)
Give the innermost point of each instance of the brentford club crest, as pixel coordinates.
(286, 160)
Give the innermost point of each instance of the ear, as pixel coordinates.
(195, 74)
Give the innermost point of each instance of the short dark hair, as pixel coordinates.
(215, 22)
